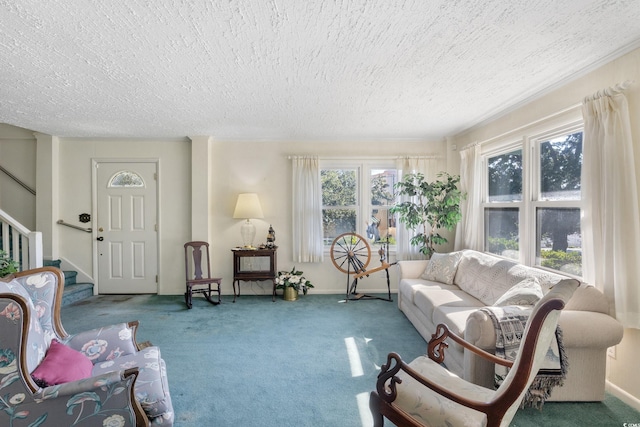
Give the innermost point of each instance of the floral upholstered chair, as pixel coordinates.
(100, 377)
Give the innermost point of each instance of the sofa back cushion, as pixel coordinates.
(488, 277)
(525, 292)
(442, 267)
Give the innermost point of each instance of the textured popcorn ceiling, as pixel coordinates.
(293, 69)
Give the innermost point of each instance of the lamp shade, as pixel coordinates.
(248, 206)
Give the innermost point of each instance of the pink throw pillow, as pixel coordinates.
(62, 364)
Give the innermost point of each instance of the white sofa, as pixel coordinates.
(452, 287)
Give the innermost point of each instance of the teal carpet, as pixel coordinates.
(311, 362)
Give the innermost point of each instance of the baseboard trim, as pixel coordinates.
(627, 398)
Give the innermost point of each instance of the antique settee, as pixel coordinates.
(100, 377)
(451, 288)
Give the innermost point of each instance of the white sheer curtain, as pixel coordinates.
(406, 165)
(610, 223)
(307, 210)
(468, 232)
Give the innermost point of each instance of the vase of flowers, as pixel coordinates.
(292, 282)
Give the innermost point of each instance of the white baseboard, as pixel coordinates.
(627, 398)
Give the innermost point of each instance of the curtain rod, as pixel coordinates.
(610, 91)
(291, 157)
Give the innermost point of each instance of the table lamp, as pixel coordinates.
(248, 207)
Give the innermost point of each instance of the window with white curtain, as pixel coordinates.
(356, 198)
(532, 200)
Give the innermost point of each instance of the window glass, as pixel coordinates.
(505, 177)
(559, 240)
(532, 201)
(380, 225)
(339, 200)
(126, 179)
(560, 167)
(501, 231)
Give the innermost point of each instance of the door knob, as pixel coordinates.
(100, 239)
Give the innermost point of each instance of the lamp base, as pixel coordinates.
(248, 233)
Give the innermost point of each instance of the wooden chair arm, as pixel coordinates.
(436, 346)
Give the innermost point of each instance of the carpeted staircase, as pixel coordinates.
(72, 291)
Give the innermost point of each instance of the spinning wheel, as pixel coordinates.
(350, 253)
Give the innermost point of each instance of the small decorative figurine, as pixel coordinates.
(271, 238)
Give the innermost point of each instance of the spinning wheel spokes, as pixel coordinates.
(350, 253)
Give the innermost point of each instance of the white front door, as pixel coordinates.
(126, 224)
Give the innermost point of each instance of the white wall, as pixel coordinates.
(263, 168)
(235, 167)
(622, 371)
(174, 199)
(17, 155)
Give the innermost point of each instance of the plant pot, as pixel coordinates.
(290, 294)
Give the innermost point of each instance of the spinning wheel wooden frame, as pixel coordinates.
(351, 254)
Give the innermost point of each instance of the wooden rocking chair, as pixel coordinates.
(197, 282)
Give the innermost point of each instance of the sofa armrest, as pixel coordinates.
(479, 331)
(587, 329)
(412, 269)
(106, 380)
(580, 329)
(106, 343)
(107, 395)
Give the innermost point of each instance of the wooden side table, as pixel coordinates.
(254, 265)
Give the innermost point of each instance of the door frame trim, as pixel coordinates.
(95, 161)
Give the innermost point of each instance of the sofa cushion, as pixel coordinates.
(442, 267)
(408, 287)
(61, 365)
(427, 300)
(525, 292)
(484, 276)
(487, 277)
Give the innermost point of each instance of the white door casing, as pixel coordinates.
(126, 244)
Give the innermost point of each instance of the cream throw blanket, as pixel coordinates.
(509, 323)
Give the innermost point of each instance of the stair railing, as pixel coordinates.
(22, 244)
(18, 180)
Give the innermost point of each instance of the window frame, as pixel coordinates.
(531, 195)
(364, 204)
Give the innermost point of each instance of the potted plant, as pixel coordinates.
(431, 206)
(292, 282)
(7, 264)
